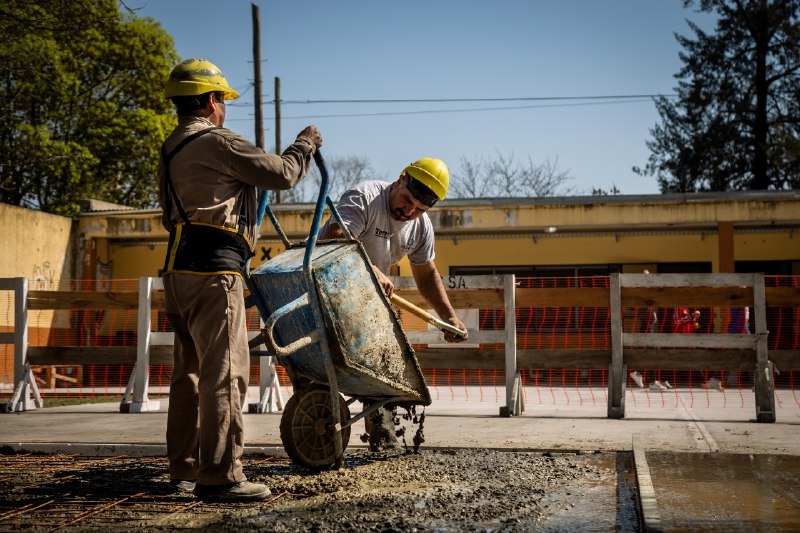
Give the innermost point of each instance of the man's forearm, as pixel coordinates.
(430, 286)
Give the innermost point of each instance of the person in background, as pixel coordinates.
(391, 222)
(208, 181)
(685, 321)
(648, 325)
(738, 324)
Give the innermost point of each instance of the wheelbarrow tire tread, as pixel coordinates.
(306, 430)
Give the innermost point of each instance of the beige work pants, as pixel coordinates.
(205, 430)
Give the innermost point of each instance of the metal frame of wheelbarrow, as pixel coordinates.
(310, 298)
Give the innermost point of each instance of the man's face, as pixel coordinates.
(402, 204)
(220, 110)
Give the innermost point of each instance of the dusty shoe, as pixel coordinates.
(637, 378)
(181, 485)
(242, 491)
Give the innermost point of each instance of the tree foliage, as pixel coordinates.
(84, 115)
(507, 177)
(735, 124)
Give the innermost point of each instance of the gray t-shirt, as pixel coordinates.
(365, 211)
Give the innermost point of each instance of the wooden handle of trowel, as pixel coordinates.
(426, 316)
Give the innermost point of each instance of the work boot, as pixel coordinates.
(380, 428)
(182, 485)
(242, 491)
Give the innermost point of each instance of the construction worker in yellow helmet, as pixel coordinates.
(209, 178)
(391, 222)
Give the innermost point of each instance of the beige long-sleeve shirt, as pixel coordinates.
(216, 176)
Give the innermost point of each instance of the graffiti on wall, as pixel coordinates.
(44, 277)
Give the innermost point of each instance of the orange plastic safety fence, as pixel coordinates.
(538, 328)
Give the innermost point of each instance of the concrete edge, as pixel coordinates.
(651, 517)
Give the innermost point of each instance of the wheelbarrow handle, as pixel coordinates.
(269, 327)
(426, 316)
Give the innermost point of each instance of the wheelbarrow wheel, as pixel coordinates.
(307, 428)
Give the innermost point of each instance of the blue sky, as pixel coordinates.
(449, 49)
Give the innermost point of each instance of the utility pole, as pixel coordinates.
(257, 76)
(277, 115)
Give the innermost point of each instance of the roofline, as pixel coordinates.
(619, 199)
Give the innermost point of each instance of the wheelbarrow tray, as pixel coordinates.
(371, 354)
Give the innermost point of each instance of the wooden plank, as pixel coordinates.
(81, 355)
(686, 280)
(782, 296)
(563, 297)
(95, 355)
(461, 299)
(617, 371)
(571, 358)
(690, 296)
(764, 384)
(693, 340)
(471, 358)
(82, 300)
(437, 337)
(7, 284)
(668, 359)
(452, 283)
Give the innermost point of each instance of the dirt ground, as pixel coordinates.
(434, 490)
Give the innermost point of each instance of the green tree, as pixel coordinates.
(83, 111)
(735, 124)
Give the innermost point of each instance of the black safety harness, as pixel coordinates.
(200, 247)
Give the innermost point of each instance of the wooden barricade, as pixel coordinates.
(627, 349)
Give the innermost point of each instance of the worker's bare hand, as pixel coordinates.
(384, 282)
(312, 134)
(449, 336)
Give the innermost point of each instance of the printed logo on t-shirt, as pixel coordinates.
(383, 234)
(408, 246)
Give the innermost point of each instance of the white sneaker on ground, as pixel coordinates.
(637, 378)
(657, 386)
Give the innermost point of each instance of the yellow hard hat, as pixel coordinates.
(197, 76)
(432, 173)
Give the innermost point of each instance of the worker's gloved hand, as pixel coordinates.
(385, 283)
(312, 134)
(449, 336)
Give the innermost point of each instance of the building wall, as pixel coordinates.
(36, 246)
(627, 231)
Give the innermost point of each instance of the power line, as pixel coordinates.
(462, 100)
(629, 100)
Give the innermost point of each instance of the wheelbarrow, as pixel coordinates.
(332, 327)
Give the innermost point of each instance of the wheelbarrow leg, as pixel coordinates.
(337, 419)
